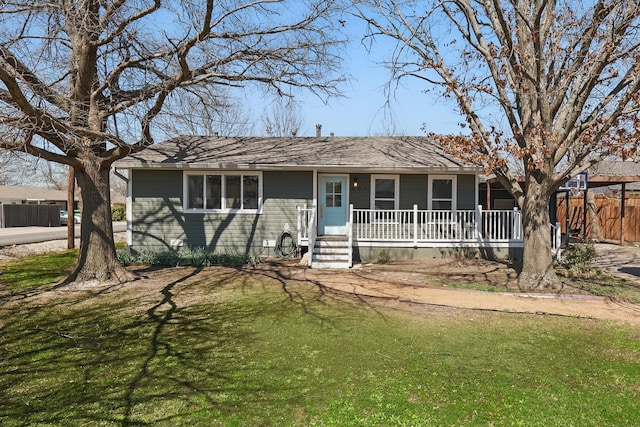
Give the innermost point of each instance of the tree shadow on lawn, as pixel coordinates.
(149, 351)
(295, 283)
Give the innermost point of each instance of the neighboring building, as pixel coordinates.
(614, 170)
(31, 206)
(16, 195)
(345, 198)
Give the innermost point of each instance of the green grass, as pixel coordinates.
(600, 283)
(34, 271)
(592, 281)
(37, 270)
(238, 349)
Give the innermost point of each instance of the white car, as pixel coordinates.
(64, 217)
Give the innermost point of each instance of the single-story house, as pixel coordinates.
(342, 199)
(31, 206)
(20, 195)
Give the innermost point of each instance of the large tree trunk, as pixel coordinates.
(537, 264)
(97, 258)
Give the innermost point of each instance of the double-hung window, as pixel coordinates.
(442, 197)
(212, 192)
(385, 197)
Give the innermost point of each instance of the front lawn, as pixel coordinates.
(247, 347)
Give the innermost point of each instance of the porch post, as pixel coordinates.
(558, 240)
(415, 226)
(479, 222)
(350, 235)
(299, 224)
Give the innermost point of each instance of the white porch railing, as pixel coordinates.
(307, 227)
(426, 226)
(420, 226)
(556, 240)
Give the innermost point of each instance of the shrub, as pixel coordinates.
(579, 255)
(196, 257)
(118, 212)
(384, 256)
(125, 257)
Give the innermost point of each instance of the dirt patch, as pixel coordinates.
(441, 272)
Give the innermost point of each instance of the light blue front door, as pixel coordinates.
(333, 205)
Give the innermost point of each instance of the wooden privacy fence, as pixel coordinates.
(29, 215)
(608, 218)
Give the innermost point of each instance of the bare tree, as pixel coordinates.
(53, 175)
(207, 111)
(15, 168)
(562, 76)
(82, 82)
(283, 119)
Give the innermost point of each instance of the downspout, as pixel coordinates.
(119, 175)
(128, 206)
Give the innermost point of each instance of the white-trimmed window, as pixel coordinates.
(385, 194)
(385, 197)
(442, 192)
(222, 192)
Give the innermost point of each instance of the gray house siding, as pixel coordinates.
(466, 197)
(156, 201)
(283, 192)
(160, 224)
(413, 191)
(360, 197)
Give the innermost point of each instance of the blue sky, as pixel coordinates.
(364, 111)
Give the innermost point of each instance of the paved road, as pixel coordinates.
(22, 235)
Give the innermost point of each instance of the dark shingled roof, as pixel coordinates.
(615, 168)
(348, 153)
(612, 173)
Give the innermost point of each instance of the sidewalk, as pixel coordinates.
(24, 235)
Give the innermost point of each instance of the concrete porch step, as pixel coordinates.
(330, 252)
(329, 265)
